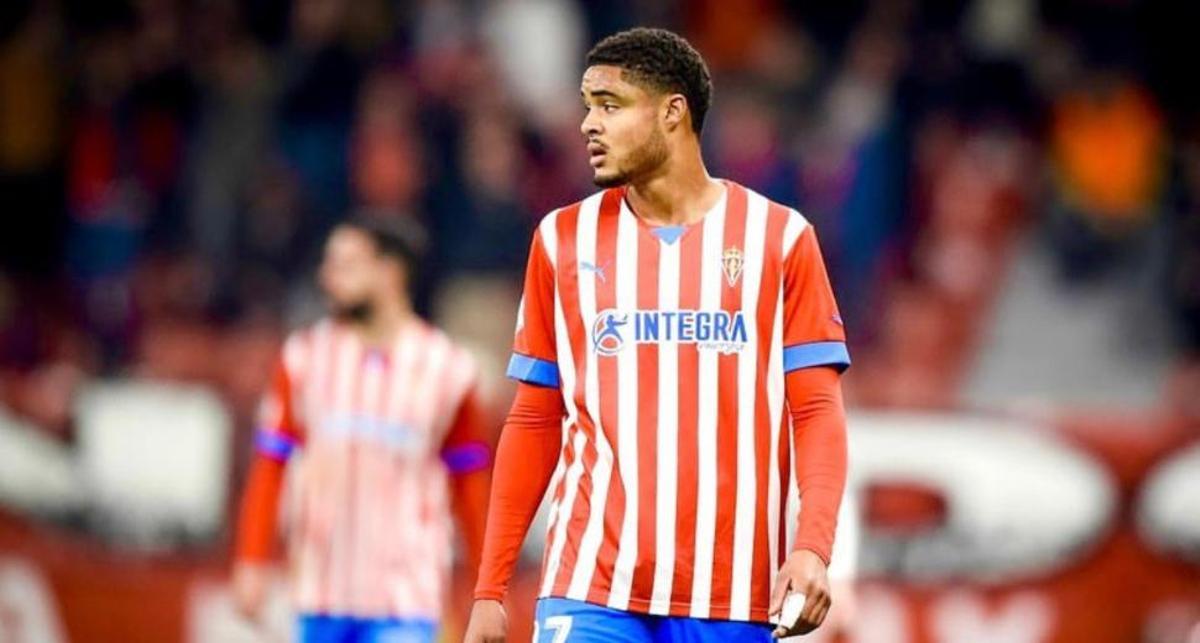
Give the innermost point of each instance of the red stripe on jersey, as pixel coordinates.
(647, 365)
(606, 297)
(768, 302)
(327, 399)
(568, 253)
(690, 254)
(342, 558)
(727, 421)
(569, 455)
(783, 473)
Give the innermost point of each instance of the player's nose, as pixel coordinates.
(589, 127)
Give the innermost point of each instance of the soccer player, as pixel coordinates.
(678, 352)
(384, 412)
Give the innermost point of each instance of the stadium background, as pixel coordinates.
(1008, 194)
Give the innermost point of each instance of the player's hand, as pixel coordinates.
(803, 573)
(250, 582)
(489, 623)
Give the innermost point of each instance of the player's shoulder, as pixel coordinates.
(571, 212)
(780, 215)
(436, 340)
(790, 215)
(300, 342)
(568, 217)
(307, 333)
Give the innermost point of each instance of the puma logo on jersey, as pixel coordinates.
(594, 269)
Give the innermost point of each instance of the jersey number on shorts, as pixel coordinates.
(560, 625)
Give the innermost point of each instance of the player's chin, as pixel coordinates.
(608, 179)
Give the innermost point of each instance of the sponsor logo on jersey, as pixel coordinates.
(718, 330)
(367, 429)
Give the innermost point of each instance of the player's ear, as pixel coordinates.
(675, 111)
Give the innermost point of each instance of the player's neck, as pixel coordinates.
(385, 322)
(679, 195)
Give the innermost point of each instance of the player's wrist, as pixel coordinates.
(811, 549)
(493, 595)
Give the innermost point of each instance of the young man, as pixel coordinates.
(681, 331)
(384, 410)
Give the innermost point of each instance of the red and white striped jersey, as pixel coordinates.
(371, 531)
(670, 347)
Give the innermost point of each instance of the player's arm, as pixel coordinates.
(819, 435)
(467, 454)
(525, 460)
(527, 453)
(818, 420)
(257, 525)
(814, 356)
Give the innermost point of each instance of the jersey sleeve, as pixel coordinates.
(278, 431)
(534, 353)
(466, 446)
(813, 334)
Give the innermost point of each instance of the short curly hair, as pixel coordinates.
(660, 60)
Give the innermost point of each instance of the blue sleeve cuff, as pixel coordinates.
(533, 370)
(816, 354)
(274, 444)
(467, 458)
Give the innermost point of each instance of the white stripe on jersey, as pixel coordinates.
(566, 370)
(347, 360)
(432, 378)
(314, 396)
(706, 418)
(775, 396)
(593, 534)
(307, 591)
(668, 437)
(627, 414)
(796, 225)
(371, 403)
(746, 504)
(548, 229)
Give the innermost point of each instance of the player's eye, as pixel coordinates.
(610, 108)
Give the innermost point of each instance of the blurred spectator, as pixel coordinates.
(386, 158)
(317, 107)
(538, 45)
(1183, 278)
(852, 167)
(1107, 149)
(748, 148)
(32, 86)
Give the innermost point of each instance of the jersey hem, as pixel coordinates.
(674, 610)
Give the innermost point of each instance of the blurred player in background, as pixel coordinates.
(384, 414)
(681, 330)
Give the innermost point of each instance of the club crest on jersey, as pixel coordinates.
(732, 261)
(717, 330)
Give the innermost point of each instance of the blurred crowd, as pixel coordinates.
(169, 168)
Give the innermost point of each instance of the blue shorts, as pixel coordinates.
(559, 620)
(314, 628)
